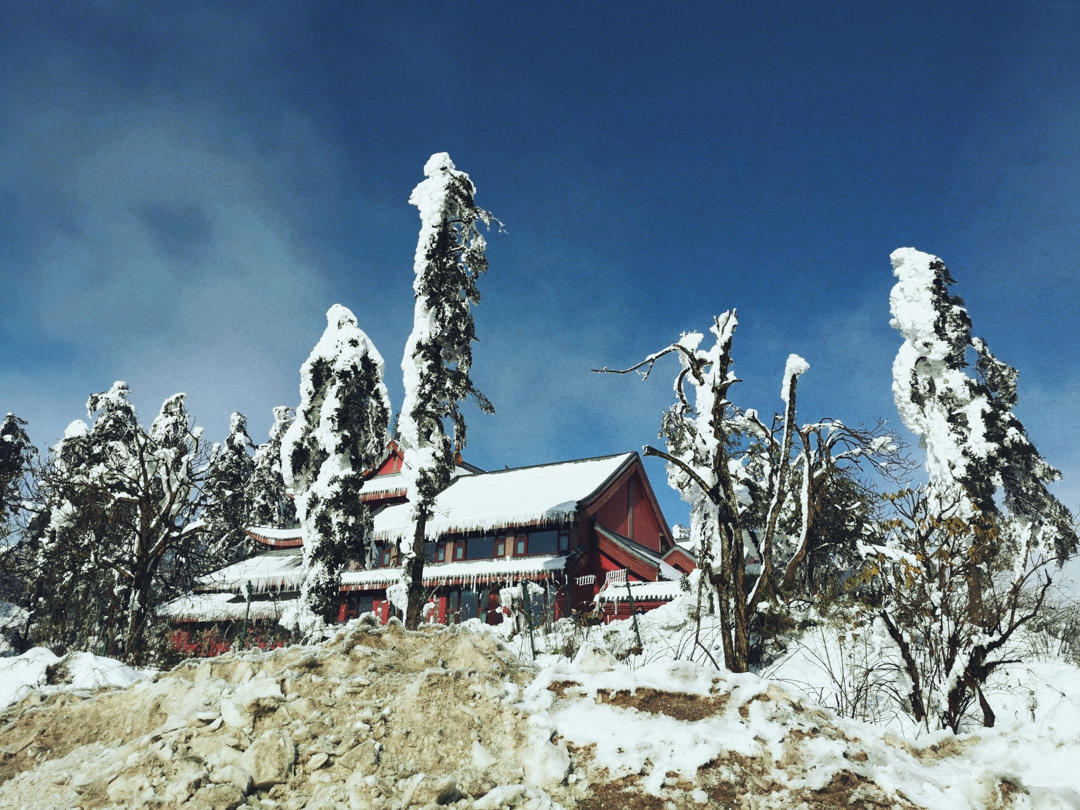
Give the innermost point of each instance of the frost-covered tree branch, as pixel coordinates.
(109, 533)
(735, 472)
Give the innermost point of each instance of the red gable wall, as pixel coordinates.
(628, 507)
(392, 464)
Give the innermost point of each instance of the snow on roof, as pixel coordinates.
(285, 572)
(547, 493)
(213, 607)
(388, 482)
(275, 534)
(662, 590)
(473, 571)
(670, 571)
(261, 573)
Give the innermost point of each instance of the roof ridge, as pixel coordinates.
(548, 464)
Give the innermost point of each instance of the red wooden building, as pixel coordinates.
(578, 529)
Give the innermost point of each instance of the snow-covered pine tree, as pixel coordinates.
(965, 566)
(737, 474)
(450, 257)
(225, 515)
(17, 455)
(974, 442)
(269, 502)
(71, 598)
(340, 432)
(118, 507)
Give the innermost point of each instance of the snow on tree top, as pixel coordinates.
(438, 162)
(794, 367)
(911, 298)
(75, 429)
(492, 500)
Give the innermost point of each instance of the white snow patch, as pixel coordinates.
(26, 673)
(793, 369)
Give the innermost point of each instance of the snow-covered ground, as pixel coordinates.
(27, 673)
(464, 717)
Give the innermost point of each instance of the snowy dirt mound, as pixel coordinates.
(381, 718)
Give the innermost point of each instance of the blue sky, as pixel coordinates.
(185, 189)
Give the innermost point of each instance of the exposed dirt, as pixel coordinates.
(674, 704)
(385, 719)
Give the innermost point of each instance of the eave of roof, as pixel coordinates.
(471, 572)
(643, 553)
(661, 591)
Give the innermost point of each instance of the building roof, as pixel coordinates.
(659, 591)
(216, 607)
(481, 501)
(544, 494)
(284, 572)
(263, 572)
(275, 538)
(643, 553)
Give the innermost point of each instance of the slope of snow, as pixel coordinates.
(492, 732)
(26, 673)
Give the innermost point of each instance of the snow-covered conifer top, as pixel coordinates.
(911, 301)
(77, 428)
(343, 345)
(936, 332)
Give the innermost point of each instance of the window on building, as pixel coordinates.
(564, 542)
(440, 553)
(384, 557)
(521, 546)
(459, 550)
(500, 547)
(480, 548)
(543, 542)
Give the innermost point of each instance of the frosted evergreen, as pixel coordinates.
(340, 432)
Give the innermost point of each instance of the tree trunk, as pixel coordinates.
(138, 612)
(918, 708)
(415, 573)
